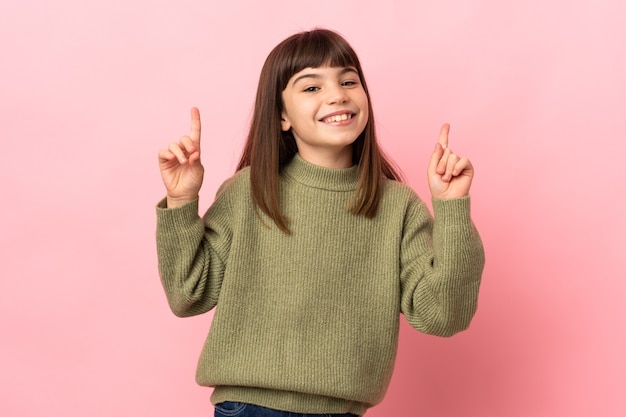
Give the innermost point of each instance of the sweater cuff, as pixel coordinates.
(452, 212)
(181, 217)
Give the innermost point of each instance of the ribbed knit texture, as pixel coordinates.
(308, 322)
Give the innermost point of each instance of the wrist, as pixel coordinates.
(448, 195)
(173, 202)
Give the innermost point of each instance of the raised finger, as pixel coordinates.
(194, 130)
(443, 135)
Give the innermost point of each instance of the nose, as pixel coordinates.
(336, 95)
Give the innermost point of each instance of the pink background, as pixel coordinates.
(89, 91)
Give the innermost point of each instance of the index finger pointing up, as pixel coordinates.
(194, 132)
(443, 135)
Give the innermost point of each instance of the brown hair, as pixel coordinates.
(268, 148)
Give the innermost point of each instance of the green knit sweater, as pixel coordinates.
(308, 322)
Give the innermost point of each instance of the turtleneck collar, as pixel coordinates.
(333, 179)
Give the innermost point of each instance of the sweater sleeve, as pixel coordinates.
(441, 267)
(192, 253)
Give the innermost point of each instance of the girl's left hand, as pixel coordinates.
(449, 175)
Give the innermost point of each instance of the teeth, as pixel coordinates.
(338, 118)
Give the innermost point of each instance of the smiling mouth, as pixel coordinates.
(338, 118)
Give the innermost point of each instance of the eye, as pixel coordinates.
(349, 83)
(311, 89)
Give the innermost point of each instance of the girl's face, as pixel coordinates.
(326, 109)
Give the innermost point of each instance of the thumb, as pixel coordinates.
(434, 159)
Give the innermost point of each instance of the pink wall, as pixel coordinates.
(89, 91)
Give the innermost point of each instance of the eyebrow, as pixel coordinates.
(317, 76)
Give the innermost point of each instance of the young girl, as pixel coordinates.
(312, 250)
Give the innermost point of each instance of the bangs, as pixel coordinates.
(314, 49)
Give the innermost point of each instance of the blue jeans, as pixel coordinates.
(233, 409)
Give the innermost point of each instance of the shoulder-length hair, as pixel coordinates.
(268, 148)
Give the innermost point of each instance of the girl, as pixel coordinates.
(314, 247)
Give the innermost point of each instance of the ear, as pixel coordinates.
(284, 123)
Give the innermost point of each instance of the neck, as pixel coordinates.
(328, 158)
(334, 179)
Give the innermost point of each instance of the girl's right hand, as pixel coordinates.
(181, 169)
